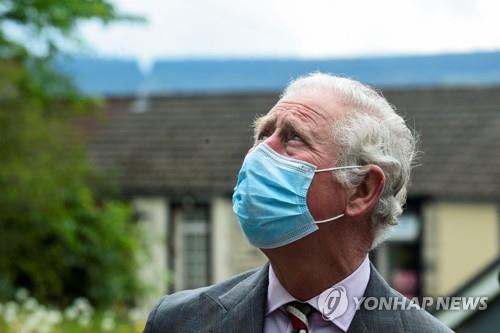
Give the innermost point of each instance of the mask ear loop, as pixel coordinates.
(330, 219)
(334, 169)
(339, 168)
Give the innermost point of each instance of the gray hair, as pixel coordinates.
(370, 133)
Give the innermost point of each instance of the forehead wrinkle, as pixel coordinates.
(291, 121)
(292, 114)
(286, 122)
(302, 118)
(314, 110)
(302, 111)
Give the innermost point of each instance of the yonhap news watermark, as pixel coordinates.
(335, 301)
(440, 303)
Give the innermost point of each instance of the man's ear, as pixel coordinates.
(364, 197)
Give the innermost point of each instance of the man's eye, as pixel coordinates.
(295, 137)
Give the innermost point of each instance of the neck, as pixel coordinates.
(315, 266)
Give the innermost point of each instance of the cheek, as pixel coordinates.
(325, 197)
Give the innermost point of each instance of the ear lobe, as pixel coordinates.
(364, 197)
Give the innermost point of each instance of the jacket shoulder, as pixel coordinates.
(398, 314)
(419, 320)
(181, 309)
(416, 319)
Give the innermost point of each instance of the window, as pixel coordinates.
(398, 258)
(193, 248)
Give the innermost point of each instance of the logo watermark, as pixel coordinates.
(334, 302)
(440, 303)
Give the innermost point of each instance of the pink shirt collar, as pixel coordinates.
(355, 285)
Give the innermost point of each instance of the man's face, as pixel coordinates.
(300, 126)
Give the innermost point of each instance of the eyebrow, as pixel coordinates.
(264, 122)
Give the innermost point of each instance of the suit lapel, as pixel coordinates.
(242, 308)
(376, 320)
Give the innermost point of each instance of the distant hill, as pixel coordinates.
(123, 77)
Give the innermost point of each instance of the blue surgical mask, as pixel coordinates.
(270, 198)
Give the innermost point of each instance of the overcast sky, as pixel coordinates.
(302, 28)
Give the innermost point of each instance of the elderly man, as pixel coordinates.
(323, 183)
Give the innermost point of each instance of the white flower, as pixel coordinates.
(108, 324)
(54, 317)
(71, 313)
(10, 312)
(83, 306)
(30, 304)
(81, 303)
(32, 322)
(22, 294)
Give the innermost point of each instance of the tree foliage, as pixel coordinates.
(58, 237)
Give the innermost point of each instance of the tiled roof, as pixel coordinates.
(194, 145)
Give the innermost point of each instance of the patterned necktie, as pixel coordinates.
(298, 313)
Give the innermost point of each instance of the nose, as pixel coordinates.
(275, 142)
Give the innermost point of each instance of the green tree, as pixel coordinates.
(59, 237)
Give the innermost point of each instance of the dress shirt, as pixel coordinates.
(277, 322)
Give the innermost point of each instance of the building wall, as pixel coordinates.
(153, 215)
(232, 254)
(459, 239)
(229, 251)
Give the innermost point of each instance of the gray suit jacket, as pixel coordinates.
(238, 305)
